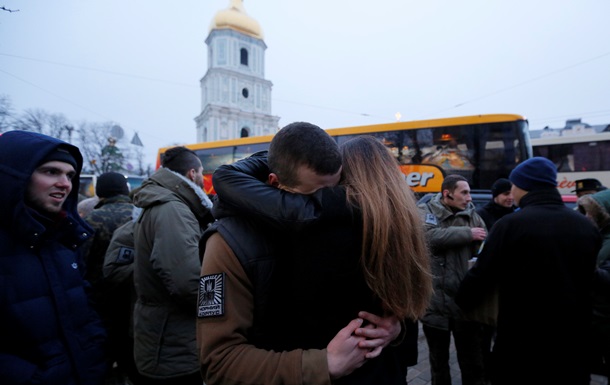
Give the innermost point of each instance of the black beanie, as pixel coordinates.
(110, 184)
(60, 155)
(500, 186)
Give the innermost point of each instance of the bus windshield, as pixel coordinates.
(482, 148)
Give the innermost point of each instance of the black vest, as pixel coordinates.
(307, 285)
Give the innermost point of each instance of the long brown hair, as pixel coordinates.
(394, 251)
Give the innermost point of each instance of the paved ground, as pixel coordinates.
(420, 373)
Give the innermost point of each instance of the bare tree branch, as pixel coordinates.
(32, 120)
(93, 139)
(6, 113)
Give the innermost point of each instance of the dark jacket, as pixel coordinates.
(492, 211)
(175, 213)
(542, 259)
(601, 293)
(113, 304)
(108, 215)
(49, 333)
(316, 280)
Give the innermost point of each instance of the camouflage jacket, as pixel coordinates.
(109, 214)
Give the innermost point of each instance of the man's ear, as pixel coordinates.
(273, 180)
(190, 175)
(447, 195)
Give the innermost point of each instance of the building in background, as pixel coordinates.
(235, 96)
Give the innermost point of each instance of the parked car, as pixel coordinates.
(570, 200)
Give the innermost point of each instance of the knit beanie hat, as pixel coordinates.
(500, 186)
(110, 184)
(536, 173)
(61, 155)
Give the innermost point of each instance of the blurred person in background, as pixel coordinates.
(588, 186)
(455, 232)
(85, 206)
(114, 208)
(597, 208)
(502, 203)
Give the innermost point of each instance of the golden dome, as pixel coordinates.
(235, 18)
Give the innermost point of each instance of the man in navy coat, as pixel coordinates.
(49, 333)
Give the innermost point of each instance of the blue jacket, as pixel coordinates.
(49, 334)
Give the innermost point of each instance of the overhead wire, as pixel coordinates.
(85, 68)
(484, 96)
(534, 79)
(54, 94)
(98, 70)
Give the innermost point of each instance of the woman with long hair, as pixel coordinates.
(394, 251)
(357, 246)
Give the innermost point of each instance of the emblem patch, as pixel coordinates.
(211, 297)
(125, 256)
(431, 219)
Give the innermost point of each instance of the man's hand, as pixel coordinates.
(478, 233)
(379, 333)
(343, 353)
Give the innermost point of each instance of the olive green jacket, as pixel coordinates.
(450, 241)
(166, 274)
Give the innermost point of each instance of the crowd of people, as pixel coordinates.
(313, 264)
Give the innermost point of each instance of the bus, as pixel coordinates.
(482, 148)
(579, 151)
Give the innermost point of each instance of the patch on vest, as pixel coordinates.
(431, 219)
(125, 256)
(211, 298)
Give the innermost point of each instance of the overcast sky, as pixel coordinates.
(334, 63)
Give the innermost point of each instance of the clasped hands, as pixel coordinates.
(355, 343)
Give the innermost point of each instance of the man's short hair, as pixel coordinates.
(302, 144)
(450, 182)
(180, 159)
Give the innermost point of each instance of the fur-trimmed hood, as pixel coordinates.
(165, 185)
(598, 207)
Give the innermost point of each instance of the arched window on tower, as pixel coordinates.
(244, 132)
(243, 56)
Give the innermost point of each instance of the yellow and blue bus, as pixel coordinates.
(482, 148)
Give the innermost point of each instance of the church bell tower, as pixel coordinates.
(235, 96)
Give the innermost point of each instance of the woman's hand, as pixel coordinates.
(379, 332)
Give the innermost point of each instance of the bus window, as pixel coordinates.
(577, 154)
(86, 186)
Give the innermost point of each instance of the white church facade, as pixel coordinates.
(235, 96)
